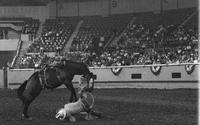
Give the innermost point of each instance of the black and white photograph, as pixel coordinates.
(99, 62)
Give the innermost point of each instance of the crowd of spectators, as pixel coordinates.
(137, 47)
(142, 56)
(96, 31)
(119, 56)
(35, 60)
(55, 34)
(139, 44)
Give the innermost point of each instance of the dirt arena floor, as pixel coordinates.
(119, 106)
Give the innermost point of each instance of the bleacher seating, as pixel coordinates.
(152, 38)
(150, 28)
(165, 18)
(96, 31)
(55, 34)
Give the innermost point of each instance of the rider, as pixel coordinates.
(58, 61)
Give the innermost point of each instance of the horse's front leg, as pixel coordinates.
(73, 96)
(25, 110)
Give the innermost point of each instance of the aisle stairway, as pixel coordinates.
(22, 51)
(39, 30)
(189, 17)
(74, 34)
(114, 41)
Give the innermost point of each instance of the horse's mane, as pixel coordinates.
(70, 61)
(34, 74)
(73, 62)
(79, 65)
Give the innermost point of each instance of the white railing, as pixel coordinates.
(134, 66)
(17, 54)
(106, 78)
(128, 66)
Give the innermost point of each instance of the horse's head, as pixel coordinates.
(89, 79)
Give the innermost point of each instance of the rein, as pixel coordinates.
(85, 104)
(91, 106)
(85, 90)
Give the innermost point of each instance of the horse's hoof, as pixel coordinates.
(97, 114)
(89, 117)
(26, 117)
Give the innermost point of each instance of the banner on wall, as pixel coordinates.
(116, 71)
(189, 69)
(156, 70)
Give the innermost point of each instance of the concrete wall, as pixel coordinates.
(37, 12)
(187, 3)
(68, 9)
(8, 44)
(19, 76)
(97, 7)
(120, 6)
(106, 7)
(106, 79)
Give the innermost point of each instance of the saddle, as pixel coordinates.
(43, 79)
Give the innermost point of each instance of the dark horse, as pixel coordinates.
(51, 77)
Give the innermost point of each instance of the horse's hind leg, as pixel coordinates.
(26, 104)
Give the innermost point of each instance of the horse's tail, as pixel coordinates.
(20, 90)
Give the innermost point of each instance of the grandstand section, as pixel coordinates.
(115, 36)
(141, 57)
(147, 32)
(55, 34)
(97, 31)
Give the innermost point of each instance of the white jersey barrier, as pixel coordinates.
(136, 76)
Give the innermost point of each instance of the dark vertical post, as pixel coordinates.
(177, 4)
(56, 9)
(161, 6)
(78, 6)
(109, 7)
(5, 77)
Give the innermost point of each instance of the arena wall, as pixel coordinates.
(106, 78)
(107, 7)
(97, 7)
(68, 9)
(36, 12)
(8, 44)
